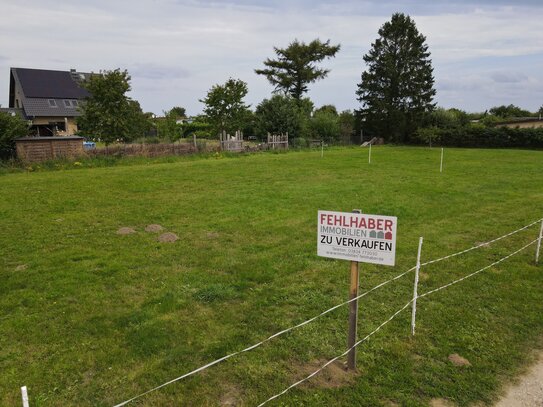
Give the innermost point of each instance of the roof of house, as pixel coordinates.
(48, 93)
(41, 83)
(39, 107)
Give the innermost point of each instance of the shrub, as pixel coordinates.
(299, 142)
(11, 127)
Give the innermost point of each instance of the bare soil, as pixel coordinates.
(168, 237)
(125, 231)
(458, 360)
(333, 376)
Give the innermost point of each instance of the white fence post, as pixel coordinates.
(322, 148)
(24, 394)
(369, 156)
(441, 163)
(538, 243)
(415, 286)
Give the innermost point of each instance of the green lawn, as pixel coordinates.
(92, 318)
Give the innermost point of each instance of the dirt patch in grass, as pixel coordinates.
(212, 235)
(21, 267)
(441, 403)
(125, 231)
(458, 360)
(231, 396)
(154, 228)
(168, 237)
(333, 376)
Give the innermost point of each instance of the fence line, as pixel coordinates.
(390, 319)
(284, 331)
(337, 357)
(478, 271)
(482, 244)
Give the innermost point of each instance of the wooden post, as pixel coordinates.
(195, 145)
(353, 312)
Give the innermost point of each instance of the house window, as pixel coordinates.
(74, 103)
(67, 103)
(52, 103)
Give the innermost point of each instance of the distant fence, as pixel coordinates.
(231, 143)
(36, 149)
(143, 150)
(278, 141)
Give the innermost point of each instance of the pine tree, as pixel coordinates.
(295, 66)
(397, 88)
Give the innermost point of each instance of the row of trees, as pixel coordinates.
(396, 96)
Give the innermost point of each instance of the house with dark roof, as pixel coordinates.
(49, 100)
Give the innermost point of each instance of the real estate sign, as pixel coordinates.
(357, 237)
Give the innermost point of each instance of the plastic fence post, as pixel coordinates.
(415, 286)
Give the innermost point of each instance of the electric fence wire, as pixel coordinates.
(390, 319)
(284, 331)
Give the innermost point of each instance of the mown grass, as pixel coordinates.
(89, 317)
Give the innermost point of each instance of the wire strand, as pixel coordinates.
(388, 320)
(284, 331)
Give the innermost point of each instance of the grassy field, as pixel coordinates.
(92, 318)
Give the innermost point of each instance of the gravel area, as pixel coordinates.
(528, 391)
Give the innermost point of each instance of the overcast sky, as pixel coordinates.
(484, 53)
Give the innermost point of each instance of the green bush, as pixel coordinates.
(479, 135)
(299, 142)
(11, 127)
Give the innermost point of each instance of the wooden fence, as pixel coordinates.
(231, 143)
(278, 141)
(143, 150)
(36, 149)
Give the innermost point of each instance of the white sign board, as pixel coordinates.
(357, 237)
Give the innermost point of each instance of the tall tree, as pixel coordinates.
(224, 105)
(510, 111)
(178, 112)
(296, 66)
(397, 89)
(108, 113)
(167, 127)
(283, 114)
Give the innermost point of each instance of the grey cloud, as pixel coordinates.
(151, 71)
(508, 77)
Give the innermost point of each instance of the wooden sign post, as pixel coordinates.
(353, 311)
(359, 238)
